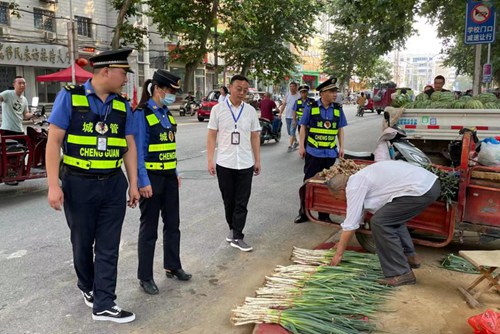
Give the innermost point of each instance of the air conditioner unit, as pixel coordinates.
(4, 31)
(49, 36)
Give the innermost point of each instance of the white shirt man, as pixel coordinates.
(287, 107)
(14, 108)
(234, 126)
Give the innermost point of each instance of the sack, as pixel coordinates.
(485, 323)
(489, 154)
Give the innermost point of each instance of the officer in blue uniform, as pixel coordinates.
(158, 180)
(93, 123)
(301, 103)
(321, 138)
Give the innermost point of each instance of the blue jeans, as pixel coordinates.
(290, 128)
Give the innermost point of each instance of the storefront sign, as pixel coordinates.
(36, 55)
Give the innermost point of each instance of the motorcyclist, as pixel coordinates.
(266, 106)
(361, 104)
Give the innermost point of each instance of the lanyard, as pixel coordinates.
(98, 110)
(239, 114)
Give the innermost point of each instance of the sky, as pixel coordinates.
(426, 41)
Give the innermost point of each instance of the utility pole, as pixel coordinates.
(216, 55)
(71, 42)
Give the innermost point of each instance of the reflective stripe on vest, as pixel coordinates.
(119, 105)
(92, 164)
(161, 147)
(79, 100)
(161, 165)
(89, 140)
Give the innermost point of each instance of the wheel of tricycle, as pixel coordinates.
(366, 241)
(200, 119)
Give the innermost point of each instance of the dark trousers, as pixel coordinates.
(165, 200)
(391, 235)
(312, 166)
(95, 210)
(235, 186)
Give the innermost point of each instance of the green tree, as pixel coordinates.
(124, 32)
(450, 15)
(261, 35)
(380, 71)
(192, 21)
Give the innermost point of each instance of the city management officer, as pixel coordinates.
(93, 125)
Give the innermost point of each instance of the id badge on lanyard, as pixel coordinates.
(102, 143)
(235, 135)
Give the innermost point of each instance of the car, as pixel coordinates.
(207, 103)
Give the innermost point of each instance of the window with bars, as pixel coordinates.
(44, 19)
(83, 26)
(4, 13)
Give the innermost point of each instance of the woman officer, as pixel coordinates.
(158, 180)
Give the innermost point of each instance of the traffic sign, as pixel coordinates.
(480, 22)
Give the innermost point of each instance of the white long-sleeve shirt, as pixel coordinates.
(379, 183)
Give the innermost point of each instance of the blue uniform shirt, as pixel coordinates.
(61, 111)
(326, 113)
(142, 137)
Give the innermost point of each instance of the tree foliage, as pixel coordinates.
(192, 21)
(449, 15)
(124, 33)
(259, 34)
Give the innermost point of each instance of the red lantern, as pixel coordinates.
(82, 62)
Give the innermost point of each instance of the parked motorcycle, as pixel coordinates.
(38, 137)
(270, 130)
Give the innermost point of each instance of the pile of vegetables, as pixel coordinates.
(345, 166)
(310, 297)
(449, 183)
(447, 100)
(458, 263)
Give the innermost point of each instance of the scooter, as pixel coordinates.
(270, 130)
(38, 137)
(190, 107)
(392, 145)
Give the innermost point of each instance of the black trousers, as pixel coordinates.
(94, 211)
(165, 200)
(390, 233)
(312, 166)
(235, 186)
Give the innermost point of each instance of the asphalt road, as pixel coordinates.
(38, 292)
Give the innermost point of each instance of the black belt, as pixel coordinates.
(106, 176)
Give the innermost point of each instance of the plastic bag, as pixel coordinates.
(485, 323)
(489, 155)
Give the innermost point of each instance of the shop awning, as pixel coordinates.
(65, 75)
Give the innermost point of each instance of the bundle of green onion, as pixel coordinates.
(307, 298)
(458, 263)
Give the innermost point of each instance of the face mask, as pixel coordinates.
(168, 99)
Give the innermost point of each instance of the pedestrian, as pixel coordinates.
(361, 104)
(301, 103)
(395, 192)
(223, 94)
(321, 138)
(234, 126)
(93, 123)
(287, 107)
(158, 180)
(198, 94)
(14, 108)
(439, 82)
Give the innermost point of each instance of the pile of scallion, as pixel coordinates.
(311, 297)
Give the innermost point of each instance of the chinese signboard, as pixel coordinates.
(479, 22)
(34, 55)
(487, 73)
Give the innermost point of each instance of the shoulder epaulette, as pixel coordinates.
(313, 103)
(70, 87)
(75, 88)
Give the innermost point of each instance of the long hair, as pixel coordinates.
(147, 92)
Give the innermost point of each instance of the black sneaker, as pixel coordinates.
(88, 298)
(115, 314)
